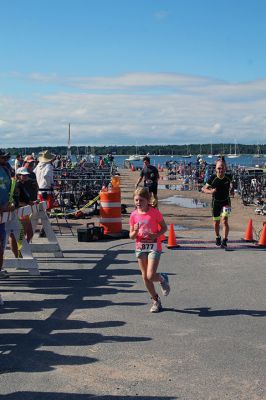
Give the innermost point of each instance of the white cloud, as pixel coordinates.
(216, 128)
(149, 108)
(160, 15)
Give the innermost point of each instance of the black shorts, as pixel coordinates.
(217, 208)
(152, 188)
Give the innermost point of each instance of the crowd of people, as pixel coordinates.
(31, 180)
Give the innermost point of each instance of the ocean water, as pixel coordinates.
(245, 160)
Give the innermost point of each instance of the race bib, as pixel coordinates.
(147, 247)
(226, 211)
(149, 181)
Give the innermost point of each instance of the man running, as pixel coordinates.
(219, 186)
(151, 177)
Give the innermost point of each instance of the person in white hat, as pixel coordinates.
(45, 177)
(21, 198)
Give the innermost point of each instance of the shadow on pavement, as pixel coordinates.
(74, 396)
(22, 342)
(207, 312)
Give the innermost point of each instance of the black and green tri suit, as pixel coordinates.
(221, 198)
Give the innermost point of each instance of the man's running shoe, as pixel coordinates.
(165, 287)
(224, 243)
(156, 306)
(3, 274)
(218, 241)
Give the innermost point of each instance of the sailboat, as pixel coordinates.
(136, 156)
(188, 155)
(89, 157)
(210, 155)
(233, 155)
(68, 143)
(199, 155)
(258, 154)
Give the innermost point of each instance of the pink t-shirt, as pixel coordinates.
(148, 222)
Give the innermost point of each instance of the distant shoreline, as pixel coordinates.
(152, 150)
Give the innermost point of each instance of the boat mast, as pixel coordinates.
(68, 143)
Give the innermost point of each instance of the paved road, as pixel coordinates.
(83, 329)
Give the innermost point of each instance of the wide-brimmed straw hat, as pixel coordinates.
(46, 156)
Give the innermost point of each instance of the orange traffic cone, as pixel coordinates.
(249, 232)
(171, 238)
(262, 241)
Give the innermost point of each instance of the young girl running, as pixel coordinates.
(146, 226)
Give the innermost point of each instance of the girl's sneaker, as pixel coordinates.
(156, 306)
(165, 287)
(224, 243)
(218, 241)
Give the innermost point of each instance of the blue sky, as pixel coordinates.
(132, 71)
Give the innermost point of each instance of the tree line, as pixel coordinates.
(194, 149)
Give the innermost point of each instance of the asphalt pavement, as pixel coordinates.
(83, 328)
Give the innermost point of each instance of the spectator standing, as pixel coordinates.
(23, 194)
(101, 162)
(18, 161)
(45, 178)
(31, 182)
(5, 186)
(57, 162)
